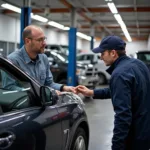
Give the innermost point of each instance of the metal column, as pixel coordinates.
(92, 36)
(72, 50)
(92, 42)
(25, 18)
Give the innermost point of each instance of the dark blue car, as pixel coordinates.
(33, 117)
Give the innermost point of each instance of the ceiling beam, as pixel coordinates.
(92, 10)
(143, 38)
(120, 9)
(36, 10)
(117, 26)
(68, 5)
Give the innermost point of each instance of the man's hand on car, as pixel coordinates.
(58, 92)
(69, 89)
(84, 90)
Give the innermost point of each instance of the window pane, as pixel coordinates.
(80, 58)
(11, 47)
(3, 48)
(14, 94)
(89, 57)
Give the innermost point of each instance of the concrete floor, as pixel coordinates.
(100, 115)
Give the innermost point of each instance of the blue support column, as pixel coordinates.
(92, 42)
(72, 57)
(25, 21)
(92, 35)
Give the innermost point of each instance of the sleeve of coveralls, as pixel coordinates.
(121, 99)
(102, 93)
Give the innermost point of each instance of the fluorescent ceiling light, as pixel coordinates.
(18, 10)
(11, 7)
(123, 27)
(125, 31)
(108, 0)
(118, 18)
(66, 28)
(39, 18)
(55, 24)
(112, 8)
(81, 35)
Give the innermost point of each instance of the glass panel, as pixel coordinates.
(89, 57)
(144, 57)
(11, 47)
(3, 48)
(14, 94)
(80, 58)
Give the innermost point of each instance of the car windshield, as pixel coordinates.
(80, 57)
(65, 49)
(144, 57)
(59, 57)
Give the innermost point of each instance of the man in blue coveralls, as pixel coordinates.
(129, 90)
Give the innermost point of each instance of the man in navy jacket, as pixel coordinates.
(129, 90)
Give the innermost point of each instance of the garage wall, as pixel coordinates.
(60, 38)
(10, 32)
(132, 47)
(9, 29)
(85, 45)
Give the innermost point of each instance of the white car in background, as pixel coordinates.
(98, 65)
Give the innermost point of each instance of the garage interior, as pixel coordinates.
(129, 19)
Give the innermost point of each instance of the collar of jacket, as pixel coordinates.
(26, 57)
(114, 65)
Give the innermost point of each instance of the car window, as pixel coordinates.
(15, 94)
(54, 47)
(98, 57)
(89, 57)
(47, 53)
(144, 57)
(57, 57)
(80, 58)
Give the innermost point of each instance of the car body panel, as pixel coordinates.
(40, 127)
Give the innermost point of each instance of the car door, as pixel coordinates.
(24, 123)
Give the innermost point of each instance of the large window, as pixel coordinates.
(7, 47)
(3, 48)
(11, 48)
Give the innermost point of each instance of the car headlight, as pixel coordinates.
(80, 72)
(90, 65)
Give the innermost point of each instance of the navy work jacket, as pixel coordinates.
(130, 94)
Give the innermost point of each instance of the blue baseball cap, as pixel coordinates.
(110, 43)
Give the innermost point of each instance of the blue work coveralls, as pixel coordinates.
(130, 94)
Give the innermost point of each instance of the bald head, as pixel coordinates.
(29, 31)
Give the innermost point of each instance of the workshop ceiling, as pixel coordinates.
(134, 13)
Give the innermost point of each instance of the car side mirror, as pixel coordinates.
(48, 96)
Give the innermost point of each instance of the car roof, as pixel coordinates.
(87, 53)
